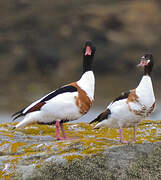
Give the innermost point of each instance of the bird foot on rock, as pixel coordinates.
(124, 142)
(127, 142)
(66, 138)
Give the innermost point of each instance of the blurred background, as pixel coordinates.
(41, 41)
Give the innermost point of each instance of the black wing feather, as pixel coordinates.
(61, 90)
(64, 89)
(102, 116)
(18, 114)
(123, 95)
(106, 113)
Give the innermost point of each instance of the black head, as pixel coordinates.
(88, 55)
(89, 48)
(147, 63)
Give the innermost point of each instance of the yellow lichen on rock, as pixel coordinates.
(33, 144)
(16, 145)
(71, 157)
(38, 130)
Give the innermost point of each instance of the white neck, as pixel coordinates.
(145, 90)
(87, 83)
(145, 83)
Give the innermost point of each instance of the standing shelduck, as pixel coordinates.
(67, 103)
(131, 107)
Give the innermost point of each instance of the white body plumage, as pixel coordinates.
(62, 106)
(125, 113)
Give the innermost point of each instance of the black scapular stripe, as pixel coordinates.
(46, 98)
(53, 122)
(105, 115)
(124, 95)
(102, 116)
(59, 91)
(18, 113)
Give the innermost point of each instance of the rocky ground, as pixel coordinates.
(33, 152)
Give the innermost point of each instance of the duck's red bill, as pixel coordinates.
(88, 51)
(142, 63)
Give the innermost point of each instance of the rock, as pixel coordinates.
(35, 149)
(122, 162)
(121, 157)
(25, 171)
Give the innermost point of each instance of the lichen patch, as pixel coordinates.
(34, 144)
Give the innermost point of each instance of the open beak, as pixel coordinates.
(142, 63)
(88, 51)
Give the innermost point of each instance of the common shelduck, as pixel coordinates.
(133, 106)
(67, 103)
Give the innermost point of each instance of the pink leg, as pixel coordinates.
(121, 137)
(63, 132)
(58, 137)
(62, 129)
(135, 133)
